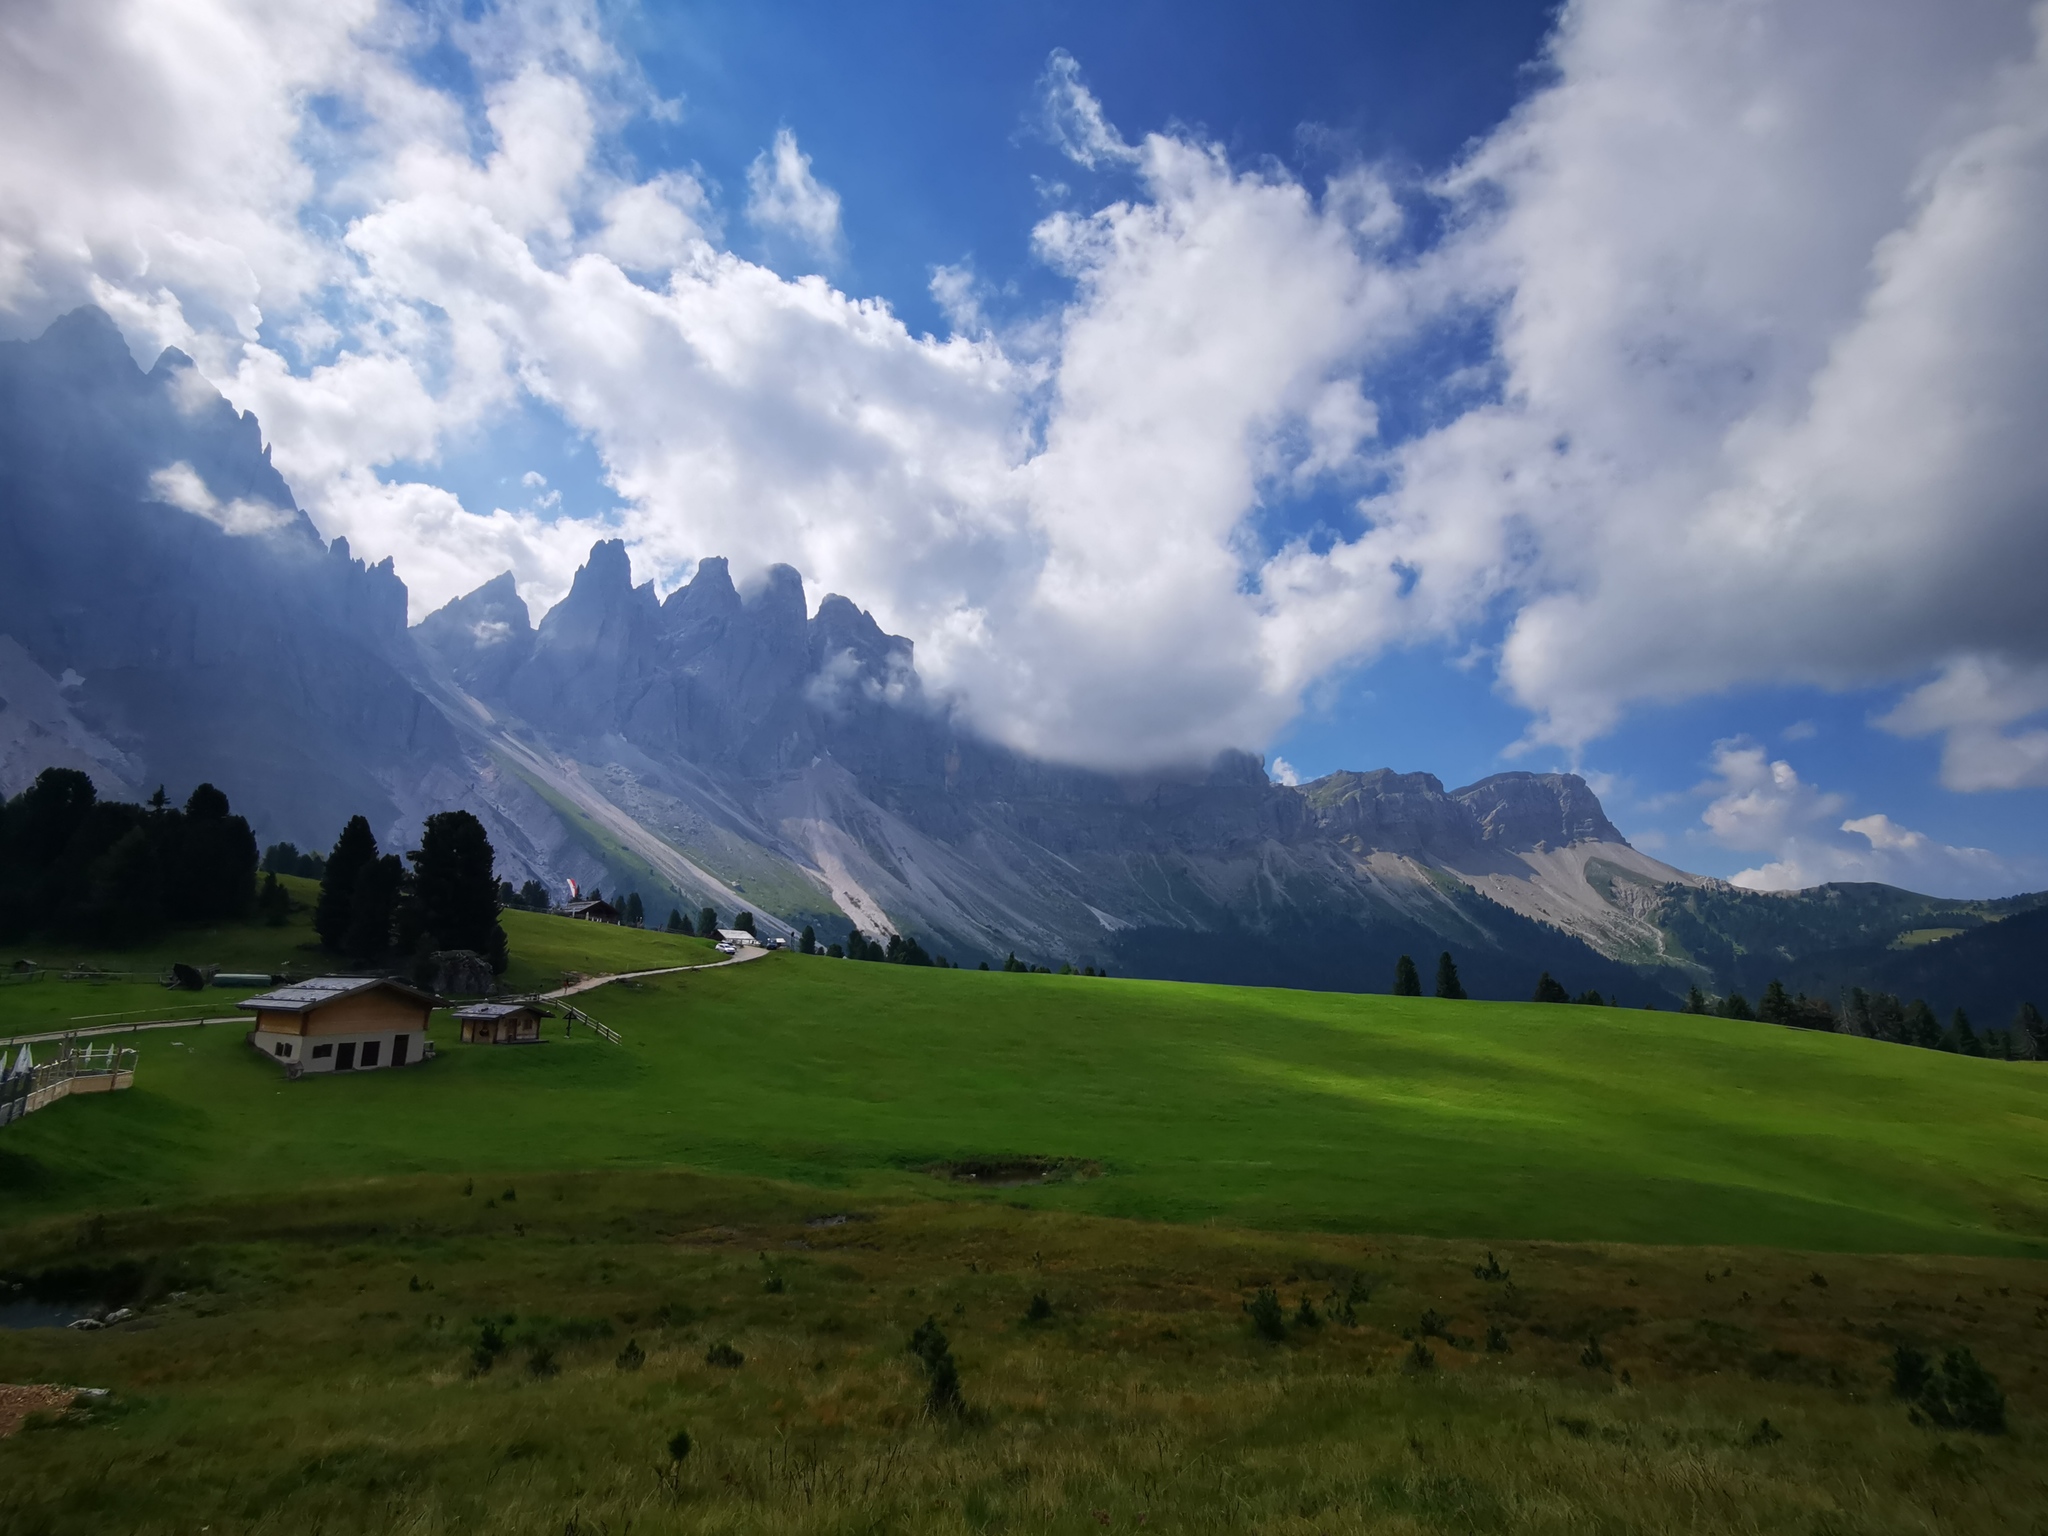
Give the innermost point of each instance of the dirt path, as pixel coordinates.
(592, 983)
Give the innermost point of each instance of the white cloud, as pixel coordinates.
(1972, 703)
(180, 485)
(1763, 806)
(1282, 772)
(1767, 284)
(785, 198)
(1073, 118)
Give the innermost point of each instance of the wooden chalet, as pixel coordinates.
(501, 1023)
(592, 910)
(342, 1024)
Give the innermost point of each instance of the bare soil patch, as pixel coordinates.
(1012, 1172)
(17, 1403)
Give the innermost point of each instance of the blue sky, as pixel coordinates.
(1630, 387)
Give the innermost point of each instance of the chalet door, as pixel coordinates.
(345, 1056)
(398, 1049)
(369, 1055)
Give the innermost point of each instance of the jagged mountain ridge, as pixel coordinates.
(168, 614)
(713, 717)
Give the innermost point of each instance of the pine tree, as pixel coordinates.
(371, 906)
(1920, 1026)
(272, 904)
(707, 924)
(2029, 1034)
(807, 941)
(1447, 983)
(1550, 991)
(1965, 1038)
(1407, 983)
(456, 885)
(1695, 1000)
(744, 922)
(677, 923)
(354, 850)
(1776, 1007)
(1735, 1006)
(634, 913)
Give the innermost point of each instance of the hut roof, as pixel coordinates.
(484, 1013)
(304, 996)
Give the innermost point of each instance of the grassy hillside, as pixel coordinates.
(312, 1364)
(1267, 1108)
(545, 950)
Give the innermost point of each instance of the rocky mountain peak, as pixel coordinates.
(1526, 811)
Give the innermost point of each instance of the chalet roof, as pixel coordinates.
(304, 996)
(738, 936)
(589, 904)
(487, 1013)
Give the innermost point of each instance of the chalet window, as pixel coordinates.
(323, 1050)
(370, 1050)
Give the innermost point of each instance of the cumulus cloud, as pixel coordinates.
(783, 197)
(1972, 704)
(1763, 806)
(1762, 289)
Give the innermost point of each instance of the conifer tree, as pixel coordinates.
(634, 913)
(354, 850)
(707, 924)
(1407, 983)
(677, 923)
(371, 907)
(1921, 1027)
(1695, 1000)
(2029, 1033)
(272, 904)
(744, 921)
(1776, 1007)
(807, 941)
(1550, 991)
(1965, 1038)
(456, 885)
(1447, 983)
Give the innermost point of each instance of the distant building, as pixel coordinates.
(342, 1024)
(597, 910)
(738, 936)
(501, 1023)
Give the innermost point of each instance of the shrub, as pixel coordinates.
(632, 1357)
(1592, 1358)
(1963, 1395)
(1305, 1315)
(1497, 1340)
(490, 1343)
(541, 1363)
(1490, 1270)
(1421, 1357)
(679, 1445)
(774, 1285)
(1266, 1316)
(724, 1356)
(1039, 1310)
(1434, 1325)
(1910, 1372)
(942, 1376)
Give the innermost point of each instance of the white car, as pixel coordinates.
(725, 948)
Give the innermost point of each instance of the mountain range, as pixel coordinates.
(168, 614)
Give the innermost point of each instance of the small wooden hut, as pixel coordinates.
(501, 1023)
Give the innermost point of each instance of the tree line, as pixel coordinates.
(442, 895)
(1881, 1016)
(75, 866)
